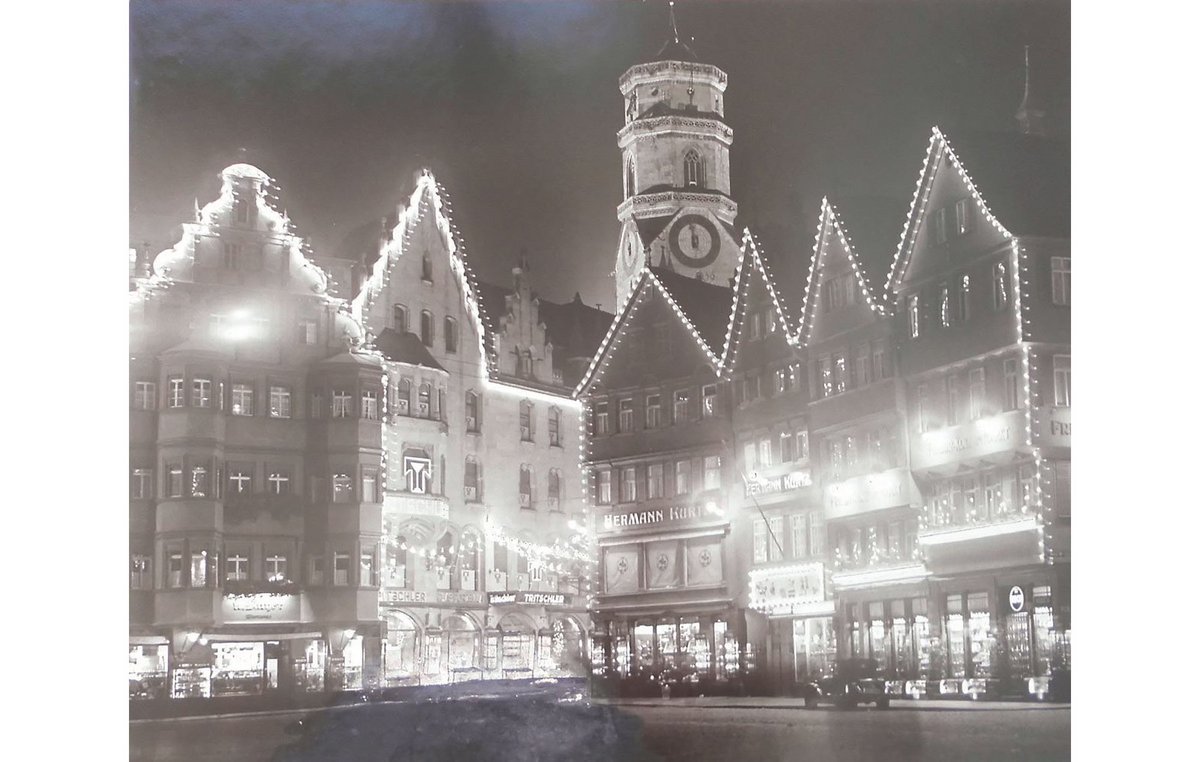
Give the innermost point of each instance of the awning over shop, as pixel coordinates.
(237, 637)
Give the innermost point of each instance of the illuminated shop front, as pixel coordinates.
(802, 634)
(896, 633)
(238, 669)
(686, 647)
(401, 649)
(516, 646)
(148, 669)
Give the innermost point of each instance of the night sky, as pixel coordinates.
(515, 107)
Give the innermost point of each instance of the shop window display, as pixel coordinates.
(147, 671)
(310, 668)
(902, 641)
(878, 636)
(621, 656)
(814, 647)
(643, 646)
(668, 644)
(956, 634)
(352, 663)
(400, 648)
(921, 636)
(517, 654)
(727, 658)
(462, 642)
(237, 669)
(982, 640)
(191, 681)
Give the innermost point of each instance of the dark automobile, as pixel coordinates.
(854, 682)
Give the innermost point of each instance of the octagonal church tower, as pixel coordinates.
(676, 211)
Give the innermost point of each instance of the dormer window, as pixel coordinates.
(693, 170)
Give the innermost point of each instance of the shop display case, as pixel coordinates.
(188, 681)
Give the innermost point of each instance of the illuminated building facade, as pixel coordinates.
(255, 454)
(483, 573)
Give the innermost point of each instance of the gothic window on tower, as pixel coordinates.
(693, 170)
(630, 188)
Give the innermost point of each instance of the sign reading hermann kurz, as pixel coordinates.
(669, 515)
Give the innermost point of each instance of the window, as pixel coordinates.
(628, 484)
(654, 481)
(787, 452)
(339, 404)
(241, 209)
(370, 484)
(472, 411)
(825, 374)
(242, 399)
(630, 189)
(427, 328)
(526, 421)
(816, 533)
(877, 363)
(760, 541)
(693, 170)
(712, 472)
(708, 400)
(962, 216)
(366, 568)
(999, 286)
(279, 482)
(308, 332)
(237, 567)
(783, 380)
(316, 570)
(426, 267)
(944, 305)
(241, 479)
(370, 405)
(526, 486)
(600, 418)
(939, 225)
(681, 406)
(604, 487)
(281, 402)
(525, 364)
(952, 401)
(471, 480)
(839, 373)
(341, 568)
(450, 331)
(914, 316)
(400, 318)
(653, 411)
(343, 488)
(199, 568)
(1060, 280)
(201, 486)
(553, 423)
(1010, 385)
(553, 487)
(174, 480)
(229, 255)
(922, 408)
(144, 394)
(799, 535)
(683, 477)
(139, 572)
(625, 415)
(774, 551)
(175, 392)
(976, 393)
(141, 484)
(1062, 380)
(862, 365)
(764, 452)
(201, 392)
(962, 312)
(175, 569)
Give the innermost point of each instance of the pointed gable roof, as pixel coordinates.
(574, 327)
(786, 276)
(871, 225)
(1026, 179)
(690, 299)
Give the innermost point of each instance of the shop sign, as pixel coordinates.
(403, 596)
(531, 599)
(260, 607)
(466, 596)
(976, 439)
(758, 485)
(1016, 598)
(1055, 426)
(869, 493)
(674, 514)
(428, 505)
(788, 587)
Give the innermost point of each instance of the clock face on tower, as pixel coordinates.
(694, 241)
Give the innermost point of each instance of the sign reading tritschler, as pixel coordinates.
(1016, 598)
(531, 599)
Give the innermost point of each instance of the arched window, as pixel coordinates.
(450, 329)
(400, 656)
(427, 328)
(400, 318)
(552, 489)
(423, 407)
(473, 420)
(403, 398)
(471, 481)
(526, 486)
(444, 561)
(555, 427)
(470, 551)
(693, 170)
(526, 420)
(630, 189)
(426, 267)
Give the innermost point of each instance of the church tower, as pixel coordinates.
(676, 212)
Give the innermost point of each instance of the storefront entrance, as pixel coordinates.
(814, 647)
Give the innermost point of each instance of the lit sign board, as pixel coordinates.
(530, 599)
(869, 493)
(758, 485)
(788, 586)
(976, 439)
(670, 515)
(261, 607)
(1054, 426)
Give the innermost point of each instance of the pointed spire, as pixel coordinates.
(674, 28)
(674, 49)
(1029, 116)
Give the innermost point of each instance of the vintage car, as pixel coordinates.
(854, 681)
